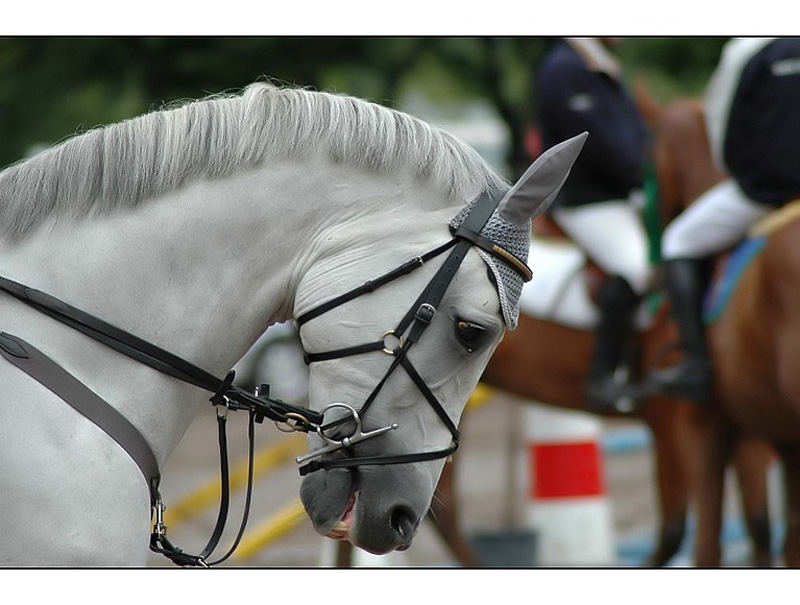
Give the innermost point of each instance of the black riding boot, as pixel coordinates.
(692, 377)
(618, 303)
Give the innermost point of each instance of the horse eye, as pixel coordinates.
(469, 334)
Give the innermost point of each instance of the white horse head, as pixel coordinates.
(196, 227)
(377, 506)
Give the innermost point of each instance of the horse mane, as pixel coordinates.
(123, 164)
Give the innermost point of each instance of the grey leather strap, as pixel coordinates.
(47, 372)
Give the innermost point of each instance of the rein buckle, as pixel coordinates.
(346, 442)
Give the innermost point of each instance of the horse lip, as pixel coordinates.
(341, 531)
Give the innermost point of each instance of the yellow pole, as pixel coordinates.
(276, 526)
(480, 395)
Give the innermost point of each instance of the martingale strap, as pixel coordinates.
(158, 539)
(226, 396)
(72, 391)
(47, 372)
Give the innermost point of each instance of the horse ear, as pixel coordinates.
(535, 190)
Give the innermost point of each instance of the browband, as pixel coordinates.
(496, 250)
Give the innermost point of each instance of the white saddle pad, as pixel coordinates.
(558, 291)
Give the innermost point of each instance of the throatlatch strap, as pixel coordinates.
(85, 401)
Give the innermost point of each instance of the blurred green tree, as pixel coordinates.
(53, 87)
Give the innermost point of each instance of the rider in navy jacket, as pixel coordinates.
(580, 88)
(753, 122)
(763, 128)
(574, 96)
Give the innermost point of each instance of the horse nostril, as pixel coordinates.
(403, 521)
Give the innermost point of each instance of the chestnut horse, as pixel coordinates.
(686, 452)
(754, 345)
(527, 365)
(685, 170)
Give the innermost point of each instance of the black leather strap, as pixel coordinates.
(71, 390)
(346, 352)
(373, 284)
(159, 542)
(401, 358)
(156, 357)
(47, 372)
(428, 394)
(316, 465)
(55, 378)
(249, 493)
(352, 462)
(523, 270)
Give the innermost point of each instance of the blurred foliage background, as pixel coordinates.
(54, 87)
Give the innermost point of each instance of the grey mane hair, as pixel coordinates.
(120, 165)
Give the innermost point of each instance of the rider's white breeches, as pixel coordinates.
(613, 236)
(714, 221)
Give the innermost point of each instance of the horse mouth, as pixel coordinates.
(341, 531)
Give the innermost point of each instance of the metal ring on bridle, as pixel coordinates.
(356, 420)
(299, 420)
(400, 342)
(356, 436)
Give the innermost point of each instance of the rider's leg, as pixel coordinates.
(617, 303)
(613, 236)
(692, 377)
(715, 221)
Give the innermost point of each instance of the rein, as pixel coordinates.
(226, 396)
(225, 393)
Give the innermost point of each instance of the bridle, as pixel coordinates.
(405, 335)
(226, 396)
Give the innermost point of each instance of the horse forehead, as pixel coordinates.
(472, 284)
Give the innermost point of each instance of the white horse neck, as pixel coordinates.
(201, 272)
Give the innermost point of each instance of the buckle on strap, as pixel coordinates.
(425, 313)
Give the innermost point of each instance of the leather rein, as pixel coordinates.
(226, 396)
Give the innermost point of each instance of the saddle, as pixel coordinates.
(730, 266)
